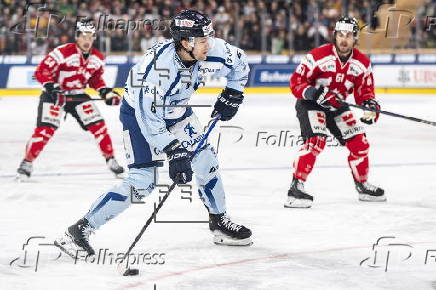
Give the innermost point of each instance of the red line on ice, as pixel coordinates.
(288, 255)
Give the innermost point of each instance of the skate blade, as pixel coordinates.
(67, 245)
(21, 178)
(228, 241)
(293, 202)
(119, 175)
(65, 249)
(371, 198)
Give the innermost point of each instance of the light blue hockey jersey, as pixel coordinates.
(160, 78)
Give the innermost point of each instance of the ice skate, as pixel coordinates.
(76, 239)
(369, 192)
(24, 171)
(297, 196)
(227, 232)
(113, 166)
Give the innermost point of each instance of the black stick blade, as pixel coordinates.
(131, 272)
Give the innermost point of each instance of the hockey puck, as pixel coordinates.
(131, 272)
(127, 271)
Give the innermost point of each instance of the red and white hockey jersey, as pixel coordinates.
(322, 66)
(66, 66)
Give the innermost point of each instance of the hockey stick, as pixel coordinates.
(71, 99)
(127, 271)
(390, 114)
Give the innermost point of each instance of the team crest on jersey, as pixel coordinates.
(150, 90)
(189, 129)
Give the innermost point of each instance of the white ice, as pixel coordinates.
(317, 248)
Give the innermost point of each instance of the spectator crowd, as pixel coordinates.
(266, 26)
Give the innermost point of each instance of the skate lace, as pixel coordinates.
(87, 230)
(300, 186)
(229, 224)
(369, 186)
(27, 166)
(112, 163)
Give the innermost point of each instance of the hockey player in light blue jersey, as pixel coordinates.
(167, 75)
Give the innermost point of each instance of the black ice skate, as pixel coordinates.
(297, 196)
(113, 166)
(76, 240)
(227, 232)
(24, 171)
(369, 192)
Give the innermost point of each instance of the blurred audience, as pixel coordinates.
(135, 25)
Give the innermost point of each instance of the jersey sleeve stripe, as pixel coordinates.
(218, 59)
(57, 56)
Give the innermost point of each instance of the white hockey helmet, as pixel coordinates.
(85, 26)
(347, 24)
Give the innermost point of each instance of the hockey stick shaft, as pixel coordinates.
(170, 189)
(391, 114)
(72, 99)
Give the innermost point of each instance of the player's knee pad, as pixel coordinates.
(87, 114)
(315, 145)
(39, 139)
(358, 146)
(140, 182)
(205, 165)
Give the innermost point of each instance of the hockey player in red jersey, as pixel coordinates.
(65, 73)
(327, 75)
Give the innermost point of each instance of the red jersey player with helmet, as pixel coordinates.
(327, 75)
(64, 73)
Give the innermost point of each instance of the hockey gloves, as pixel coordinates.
(370, 117)
(227, 104)
(111, 98)
(323, 97)
(179, 160)
(54, 92)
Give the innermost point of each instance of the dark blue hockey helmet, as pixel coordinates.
(189, 24)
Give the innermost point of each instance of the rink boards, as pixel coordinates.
(249, 90)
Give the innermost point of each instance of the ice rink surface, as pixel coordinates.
(330, 246)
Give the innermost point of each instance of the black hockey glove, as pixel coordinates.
(56, 95)
(370, 117)
(227, 104)
(323, 97)
(179, 160)
(111, 98)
